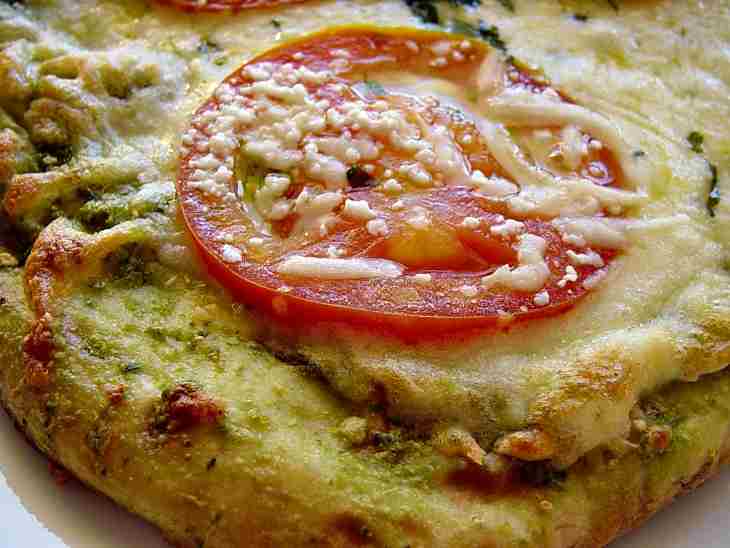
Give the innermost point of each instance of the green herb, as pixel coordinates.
(276, 24)
(508, 5)
(488, 33)
(713, 198)
(470, 3)
(375, 88)
(581, 17)
(131, 367)
(211, 464)
(207, 46)
(358, 177)
(638, 154)
(696, 139)
(425, 10)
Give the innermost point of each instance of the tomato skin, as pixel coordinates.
(453, 256)
(291, 311)
(223, 6)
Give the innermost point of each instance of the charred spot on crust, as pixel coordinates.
(183, 407)
(38, 352)
(353, 530)
(541, 474)
(52, 156)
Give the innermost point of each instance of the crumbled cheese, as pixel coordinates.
(594, 279)
(377, 227)
(573, 147)
(358, 210)
(468, 291)
(338, 269)
(532, 272)
(231, 254)
(590, 258)
(470, 222)
(268, 198)
(419, 218)
(570, 276)
(510, 227)
(542, 298)
(594, 232)
(493, 185)
(422, 279)
(391, 186)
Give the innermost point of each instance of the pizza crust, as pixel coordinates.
(604, 494)
(567, 394)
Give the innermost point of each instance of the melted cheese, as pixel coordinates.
(338, 269)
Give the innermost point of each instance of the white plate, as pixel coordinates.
(36, 513)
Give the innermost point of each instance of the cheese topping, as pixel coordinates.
(338, 269)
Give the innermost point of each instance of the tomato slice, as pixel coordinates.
(223, 5)
(315, 192)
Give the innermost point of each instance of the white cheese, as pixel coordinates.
(470, 222)
(338, 269)
(590, 258)
(602, 233)
(493, 186)
(510, 227)
(391, 186)
(532, 272)
(231, 254)
(422, 279)
(573, 147)
(570, 276)
(542, 298)
(377, 227)
(469, 291)
(358, 210)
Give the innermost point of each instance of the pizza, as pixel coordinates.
(352, 273)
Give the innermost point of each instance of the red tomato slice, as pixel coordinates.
(316, 194)
(223, 5)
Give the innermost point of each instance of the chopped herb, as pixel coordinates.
(131, 367)
(713, 198)
(211, 464)
(696, 139)
(208, 46)
(470, 3)
(488, 33)
(582, 17)
(276, 24)
(425, 10)
(375, 88)
(638, 154)
(358, 177)
(613, 4)
(508, 5)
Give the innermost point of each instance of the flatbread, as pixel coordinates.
(128, 364)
